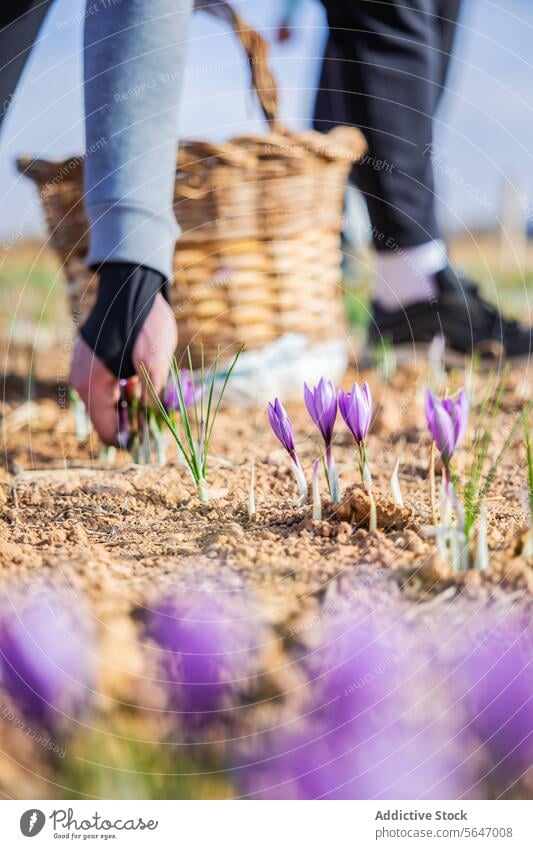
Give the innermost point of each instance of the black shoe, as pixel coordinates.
(458, 313)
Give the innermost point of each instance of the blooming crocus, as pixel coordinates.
(207, 640)
(190, 392)
(493, 671)
(359, 735)
(45, 658)
(282, 427)
(447, 421)
(321, 403)
(356, 410)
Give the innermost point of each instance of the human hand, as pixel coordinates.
(98, 387)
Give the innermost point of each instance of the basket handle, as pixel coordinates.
(256, 49)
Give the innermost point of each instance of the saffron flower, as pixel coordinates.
(500, 689)
(447, 421)
(321, 403)
(356, 410)
(45, 659)
(206, 643)
(357, 736)
(191, 393)
(492, 670)
(282, 427)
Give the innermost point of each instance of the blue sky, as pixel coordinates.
(484, 132)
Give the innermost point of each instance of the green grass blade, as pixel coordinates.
(191, 374)
(202, 384)
(529, 455)
(186, 423)
(488, 412)
(167, 419)
(221, 395)
(494, 467)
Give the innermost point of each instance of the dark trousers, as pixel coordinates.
(20, 21)
(384, 71)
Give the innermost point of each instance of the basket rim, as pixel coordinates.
(342, 143)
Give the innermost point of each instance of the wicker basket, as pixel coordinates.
(260, 218)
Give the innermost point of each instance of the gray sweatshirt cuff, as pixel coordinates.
(127, 233)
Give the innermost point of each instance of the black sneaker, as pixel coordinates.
(459, 314)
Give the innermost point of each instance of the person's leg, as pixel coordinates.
(389, 64)
(447, 17)
(20, 22)
(134, 59)
(405, 276)
(385, 70)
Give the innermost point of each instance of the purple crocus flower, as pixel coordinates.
(45, 658)
(360, 737)
(356, 410)
(497, 678)
(191, 393)
(207, 641)
(321, 403)
(282, 427)
(447, 421)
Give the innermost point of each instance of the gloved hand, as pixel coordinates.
(131, 323)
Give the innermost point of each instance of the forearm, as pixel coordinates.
(134, 55)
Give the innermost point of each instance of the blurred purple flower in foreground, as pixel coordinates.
(191, 392)
(447, 421)
(207, 642)
(497, 676)
(367, 732)
(45, 658)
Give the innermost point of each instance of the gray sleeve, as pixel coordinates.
(134, 54)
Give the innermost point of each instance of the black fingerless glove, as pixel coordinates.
(126, 294)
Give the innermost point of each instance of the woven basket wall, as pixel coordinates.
(260, 218)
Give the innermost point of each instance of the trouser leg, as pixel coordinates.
(134, 56)
(19, 26)
(388, 60)
(447, 17)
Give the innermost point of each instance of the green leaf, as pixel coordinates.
(166, 418)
